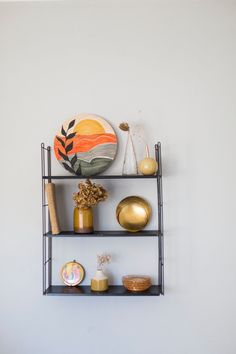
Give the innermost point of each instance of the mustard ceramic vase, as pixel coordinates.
(99, 282)
(83, 220)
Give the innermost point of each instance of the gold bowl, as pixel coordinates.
(136, 282)
(133, 213)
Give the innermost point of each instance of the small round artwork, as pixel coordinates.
(72, 273)
(85, 145)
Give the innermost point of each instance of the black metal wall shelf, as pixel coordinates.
(115, 290)
(102, 177)
(124, 234)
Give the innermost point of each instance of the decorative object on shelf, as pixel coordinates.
(133, 213)
(86, 145)
(83, 220)
(52, 207)
(130, 166)
(89, 195)
(136, 282)
(100, 281)
(72, 273)
(148, 166)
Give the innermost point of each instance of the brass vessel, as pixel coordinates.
(133, 213)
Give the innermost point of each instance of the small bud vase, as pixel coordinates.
(99, 282)
(130, 166)
(83, 220)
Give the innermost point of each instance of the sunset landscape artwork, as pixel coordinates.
(85, 145)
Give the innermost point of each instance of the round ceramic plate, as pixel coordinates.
(72, 273)
(133, 213)
(85, 145)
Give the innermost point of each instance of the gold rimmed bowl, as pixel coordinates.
(133, 213)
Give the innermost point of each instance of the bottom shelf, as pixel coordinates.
(115, 290)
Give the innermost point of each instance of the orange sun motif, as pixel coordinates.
(89, 127)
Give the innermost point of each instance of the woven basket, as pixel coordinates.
(136, 282)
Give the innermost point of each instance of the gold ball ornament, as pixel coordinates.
(133, 213)
(148, 166)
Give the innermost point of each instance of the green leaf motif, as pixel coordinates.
(77, 167)
(78, 171)
(69, 147)
(70, 136)
(61, 141)
(63, 155)
(68, 168)
(73, 160)
(63, 131)
(71, 124)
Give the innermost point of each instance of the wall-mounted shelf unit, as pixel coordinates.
(47, 236)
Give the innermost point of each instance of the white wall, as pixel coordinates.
(174, 61)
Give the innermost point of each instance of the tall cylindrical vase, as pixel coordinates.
(83, 220)
(130, 166)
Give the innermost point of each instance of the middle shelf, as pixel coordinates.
(147, 233)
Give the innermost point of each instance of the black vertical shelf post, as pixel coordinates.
(49, 224)
(160, 218)
(46, 244)
(117, 290)
(44, 270)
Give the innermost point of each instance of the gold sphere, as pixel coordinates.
(148, 166)
(133, 213)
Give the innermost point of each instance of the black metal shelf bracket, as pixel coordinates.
(47, 237)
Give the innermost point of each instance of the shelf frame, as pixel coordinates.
(47, 236)
(100, 177)
(113, 290)
(105, 233)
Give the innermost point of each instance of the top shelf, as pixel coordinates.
(102, 177)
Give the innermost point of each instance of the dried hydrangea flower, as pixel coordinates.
(90, 194)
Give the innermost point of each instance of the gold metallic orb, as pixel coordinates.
(148, 166)
(133, 213)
